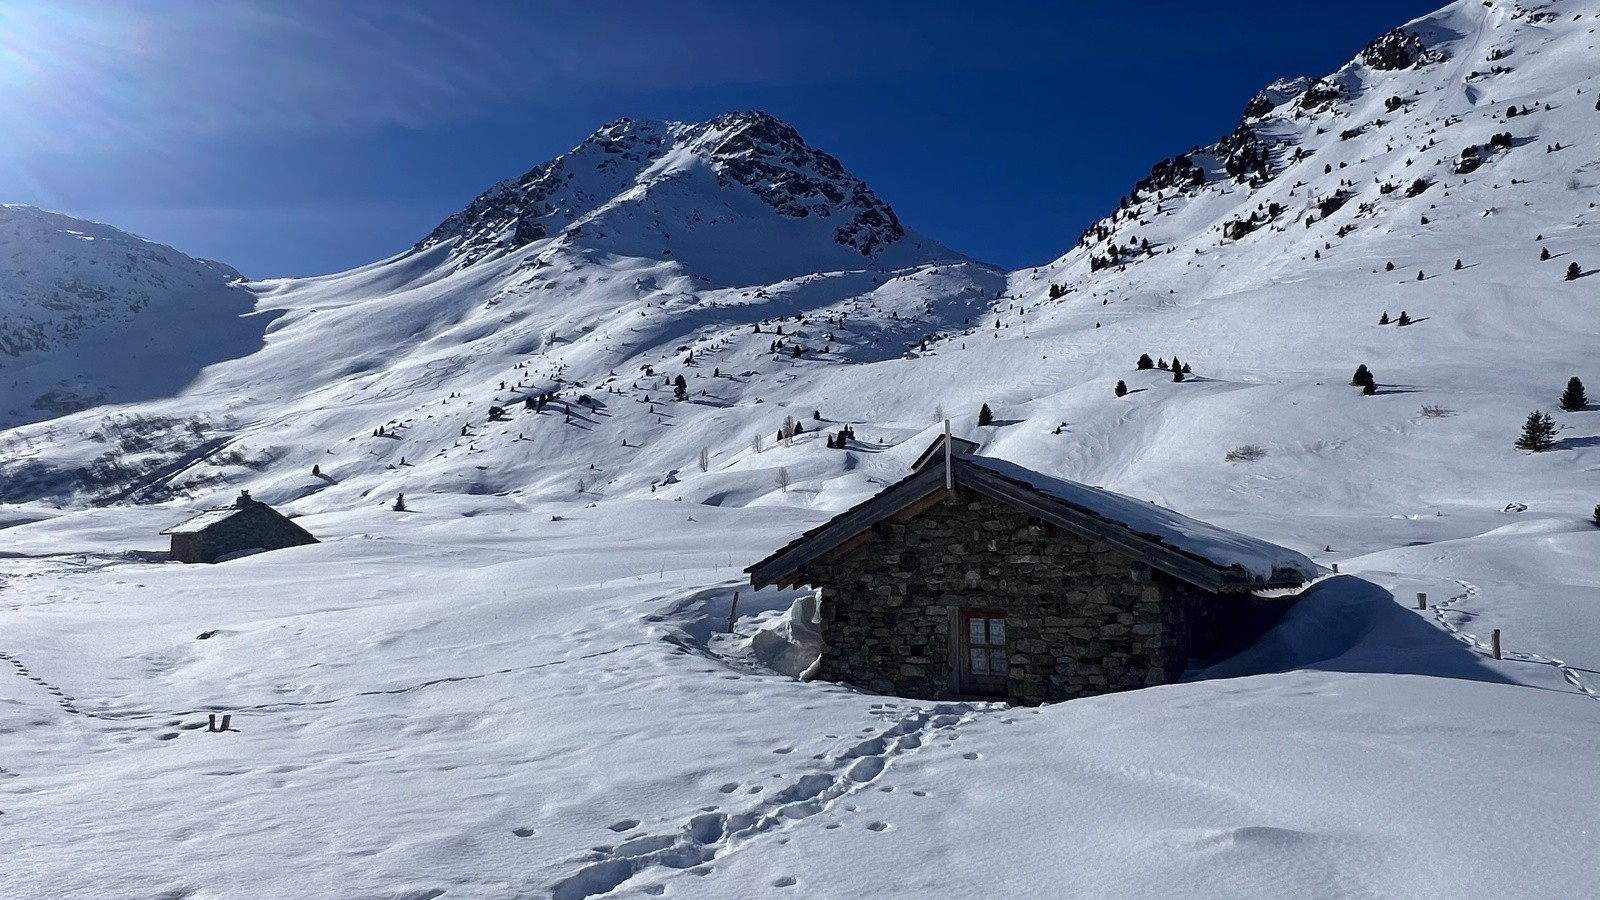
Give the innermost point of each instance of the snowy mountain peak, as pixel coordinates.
(750, 153)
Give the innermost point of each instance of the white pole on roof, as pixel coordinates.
(949, 460)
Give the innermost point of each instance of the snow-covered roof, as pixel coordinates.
(203, 521)
(1203, 554)
(1225, 549)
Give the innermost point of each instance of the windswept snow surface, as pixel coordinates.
(521, 686)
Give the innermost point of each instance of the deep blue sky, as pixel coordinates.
(294, 137)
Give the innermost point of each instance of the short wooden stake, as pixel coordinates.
(1422, 600)
(733, 611)
(1335, 568)
(211, 722)
(1494, 643)
(227, 723)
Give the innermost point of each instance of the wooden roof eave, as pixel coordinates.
(845, 526)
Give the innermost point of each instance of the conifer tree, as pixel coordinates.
(1538, 433)
(1404, 319)
(985, 416)
(1162, 364)
(1458, 265)
(1597, 506)
(1177, 374)
(399, 502)
(1384, 319)
(1574, 272)
(1122, 389)
(1145, 362)
(1362, 378)
(1544, 254)
(1388, 267)
(1574, 398)
(1368, 389)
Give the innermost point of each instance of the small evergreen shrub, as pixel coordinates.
(1538, 433)
(1245, 453)
(1574, 398)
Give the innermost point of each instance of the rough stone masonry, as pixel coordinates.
(1080, 618)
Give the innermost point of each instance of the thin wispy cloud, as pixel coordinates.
(110, 72)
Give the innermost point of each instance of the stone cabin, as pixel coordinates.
(248, 524)
(976, 577)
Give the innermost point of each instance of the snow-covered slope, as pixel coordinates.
(730, 255)
(91, 315)
(519, 687)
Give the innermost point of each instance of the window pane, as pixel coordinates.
(980, 661)
(997, 632)
(975, 630)
(997, 662)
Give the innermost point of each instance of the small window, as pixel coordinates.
(986, 649)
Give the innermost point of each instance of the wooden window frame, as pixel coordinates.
(966, 684)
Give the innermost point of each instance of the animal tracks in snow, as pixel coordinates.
(711, 834)
(1444, 611)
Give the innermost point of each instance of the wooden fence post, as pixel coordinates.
(227, 723)
(1335, 568)
(211, 722)
(1494, 643)
(1422, 600)
(733, 611)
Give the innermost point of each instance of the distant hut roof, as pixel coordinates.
(203, 521)
(219, 514)
(1198, 552)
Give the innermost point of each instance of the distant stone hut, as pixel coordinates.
(246, 525)
(978, 578)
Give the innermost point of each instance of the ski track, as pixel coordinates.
(1442, 611)
(713, 834)
(69, 703)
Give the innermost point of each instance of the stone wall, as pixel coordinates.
(1081, 618)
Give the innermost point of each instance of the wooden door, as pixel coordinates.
(983, 652)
